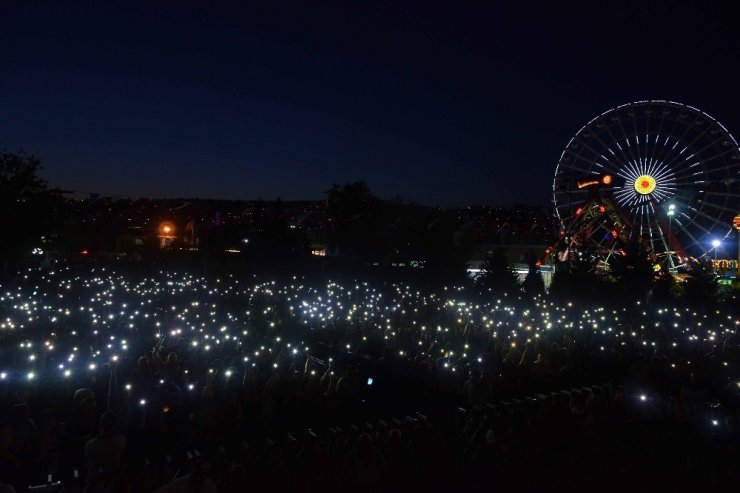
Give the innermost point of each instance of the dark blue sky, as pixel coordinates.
(456, 104)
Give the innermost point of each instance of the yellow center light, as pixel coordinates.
(644, 184)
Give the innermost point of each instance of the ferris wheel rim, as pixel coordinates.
(699, 128)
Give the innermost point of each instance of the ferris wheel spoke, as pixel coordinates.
(716, 207)
(691, 144)
(646, 134)
(687, 184)
(663, 240)
(664, 193)
(684, 230)
(652, 222)
(637, 136)
(703, 161)
(721, 155)
(605, 146)
(634, 171)
(570, 203)
(629, 200)
(652, 238)
(632, 218)
(723, 194)
(615, 142)
(656, 140)
(639, 212)
(686, 173)
(728, 175)
(689, 178)
(658, 227)
(698, 224)
(573, 167)
(609, 166)
(652, 170)
(627, 140)
(665, 148)
(681, 140)
(577, 158)
(570, 195)
(690, 171)
(662, 173)
(623, 193)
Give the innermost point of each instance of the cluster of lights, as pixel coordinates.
(66, 325)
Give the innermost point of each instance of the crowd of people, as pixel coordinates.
(168, 381)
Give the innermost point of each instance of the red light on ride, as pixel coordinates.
(614, 233)
(537, 264)
(84, 252)
(578, 211)
(602, 209)
(606, 179)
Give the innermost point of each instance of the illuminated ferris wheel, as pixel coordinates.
(676, 176)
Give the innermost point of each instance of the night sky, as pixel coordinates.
(443, 105)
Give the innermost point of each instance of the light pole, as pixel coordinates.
(715, 244)
(671, 212)
(736, 224)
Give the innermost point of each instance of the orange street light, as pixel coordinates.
(166, 229)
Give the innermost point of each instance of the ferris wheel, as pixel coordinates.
(675, 171)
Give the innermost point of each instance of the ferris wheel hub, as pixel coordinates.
(645, 184)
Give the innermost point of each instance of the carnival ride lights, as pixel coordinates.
(674, 172)
(599, 216)
(602, 180)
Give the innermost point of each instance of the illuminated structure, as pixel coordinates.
(166, 234)
(597, 228)
(672, 183)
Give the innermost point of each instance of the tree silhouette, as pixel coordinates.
(498, 274)
(351, 201)
(28, 206)
(276, 231)
(577, 280)
(665, 289)
(533, 284)
(633, 271)
(701, 285)
(356, 224)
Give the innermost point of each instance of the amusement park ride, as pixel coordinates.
(663, 174)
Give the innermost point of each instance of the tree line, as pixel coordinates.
(362, 229)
